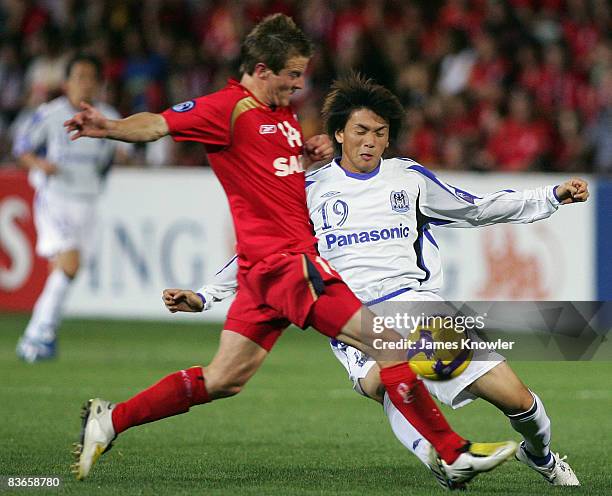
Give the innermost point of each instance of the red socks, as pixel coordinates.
(172, 395)
(411, 398)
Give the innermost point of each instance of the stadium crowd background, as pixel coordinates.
(487, 84)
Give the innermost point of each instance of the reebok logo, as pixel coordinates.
(404, 391)
(267, 129)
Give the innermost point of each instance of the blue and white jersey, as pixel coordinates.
(375, 229)
(82, 164)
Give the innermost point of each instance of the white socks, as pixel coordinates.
(48, 309)
(405, 432)
(534, 426)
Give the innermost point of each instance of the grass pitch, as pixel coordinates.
(297, 429)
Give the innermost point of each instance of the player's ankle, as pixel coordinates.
(453, 448)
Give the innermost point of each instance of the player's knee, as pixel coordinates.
(69, 263)
(527, 399)
(72, 268)
(521, 401)
(371, 386)
(71, 272)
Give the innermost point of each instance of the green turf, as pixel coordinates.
(297, 429)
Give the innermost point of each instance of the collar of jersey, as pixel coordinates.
(359, 175)
(233, 82)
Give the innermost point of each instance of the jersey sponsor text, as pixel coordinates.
(285, 166)
(370, 236)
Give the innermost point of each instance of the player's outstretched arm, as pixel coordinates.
(137, 128)
(182, 300)
(575, 190)
(225, 285)
(450, 206)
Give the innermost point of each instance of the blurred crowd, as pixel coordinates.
(509, 85)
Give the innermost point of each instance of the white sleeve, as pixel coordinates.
(446, 205)
(224, 285)
(32, 135)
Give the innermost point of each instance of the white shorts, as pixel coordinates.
(63, 224)
(452, 392)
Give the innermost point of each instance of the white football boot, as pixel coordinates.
(440, 475)
(97, 435)
(476, 459)
(558, 474)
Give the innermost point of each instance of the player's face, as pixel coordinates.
(364, 139)
(82, 83)
(281, 86)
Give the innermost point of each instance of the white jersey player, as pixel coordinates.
(373, 218)
(67, 176)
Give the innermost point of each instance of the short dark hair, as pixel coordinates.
(355, 92)
(273, 41)
(87, 58)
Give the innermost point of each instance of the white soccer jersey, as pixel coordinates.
(375, 228)
(82, 163)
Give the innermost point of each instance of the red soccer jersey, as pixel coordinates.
(256, 153)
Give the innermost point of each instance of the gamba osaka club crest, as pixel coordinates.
(184, 107)
(399, 201)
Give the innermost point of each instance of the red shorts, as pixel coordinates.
(290, 288)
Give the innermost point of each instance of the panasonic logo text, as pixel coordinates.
(373, 235)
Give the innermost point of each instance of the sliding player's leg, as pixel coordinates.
(365, 376)
(501, 387)
(457, 460)
(366, 381)
(364, 373)
(407, 393)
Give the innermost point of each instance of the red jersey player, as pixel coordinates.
(256, 149)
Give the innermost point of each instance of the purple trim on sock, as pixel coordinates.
(540, 461)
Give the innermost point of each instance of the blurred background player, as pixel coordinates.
(67, 176)
(353, 197)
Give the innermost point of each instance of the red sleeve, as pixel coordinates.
(205, 119)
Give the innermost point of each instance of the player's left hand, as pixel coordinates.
(573, 191)
(319, 148)
(182, 300)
